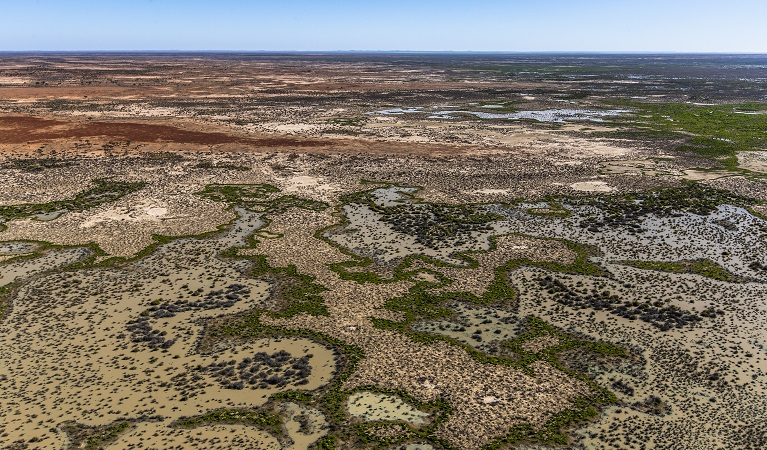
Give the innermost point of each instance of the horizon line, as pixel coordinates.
(496, 52)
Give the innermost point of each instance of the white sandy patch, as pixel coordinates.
(303, 181)
(14, 80)
(307, 182)
(491, 191)
(700, 175)
(574, 148)
(146, 211)
(156, 212)
(418, 446)
(592, 186)
(756, 161)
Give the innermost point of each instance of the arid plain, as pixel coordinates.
(399, 251)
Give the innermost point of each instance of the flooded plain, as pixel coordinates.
(394, 252)
(96, 346)
(547, 115)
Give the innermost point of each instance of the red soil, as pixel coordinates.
(22, 129)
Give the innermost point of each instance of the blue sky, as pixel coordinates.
(427, 25)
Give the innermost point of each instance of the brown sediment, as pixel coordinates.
(23, 135)
(22, 129)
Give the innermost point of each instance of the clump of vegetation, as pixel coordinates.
(261, 371)
(628, 210)
(158, 157)
(653, 405)
(704, 267)
(664, 317)
(221, 166)
(34, 165)
(142, 331)
(430, 223)
(265, 420)
(554, 209)
(356, 121)
(326, 443)
(258, 197)
(104, 191)
(94, 438)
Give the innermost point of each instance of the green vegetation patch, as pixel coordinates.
(258, 197)
(439, 411)
(154, 157)
(629, 209)
(719, 131)
(265, 420)
(93, 438)
(239, 194)
(430, 223)
(356, 121)
(554, 209)
(292, 294)
(35, 165)
(104, 191)
(420, 303)
(504, 106)
(704, 267)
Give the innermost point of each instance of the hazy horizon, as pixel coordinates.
(485, 26)
(393, 52)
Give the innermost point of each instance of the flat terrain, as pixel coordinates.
(400, 251)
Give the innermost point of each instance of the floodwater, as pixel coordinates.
(94, 346)
(373, 406)
(546, 115)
